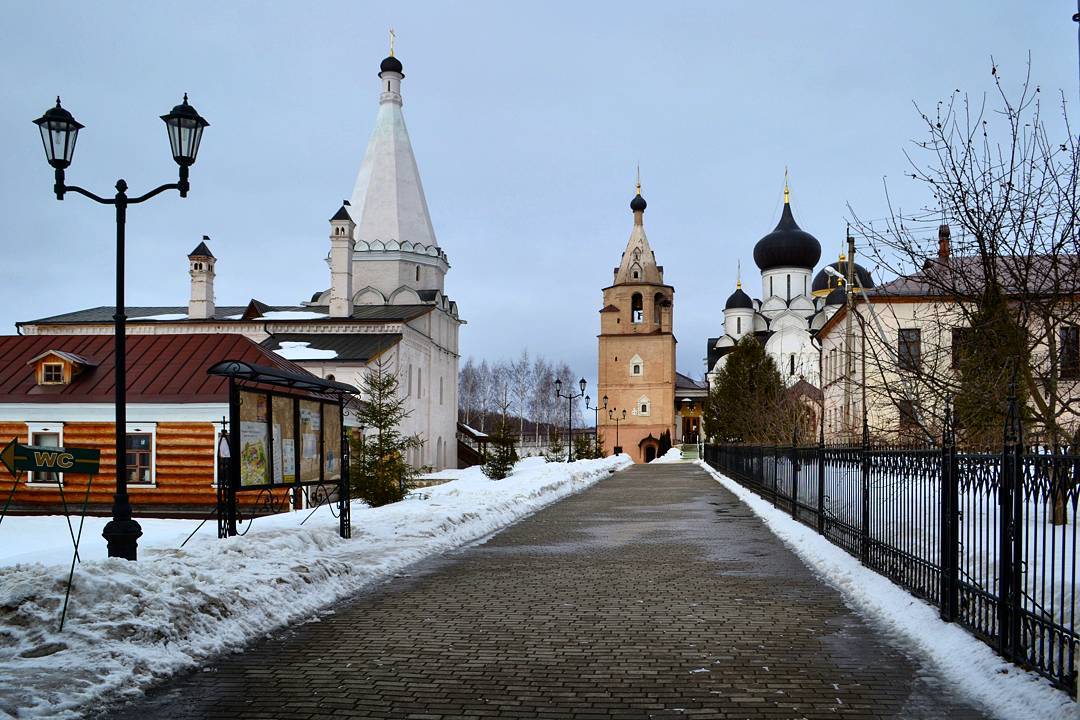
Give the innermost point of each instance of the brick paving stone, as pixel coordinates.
(654, 594)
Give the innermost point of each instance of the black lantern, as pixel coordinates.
(185, 127)
(558, 385)
(582, 385)
(59, 130)
(605, 402)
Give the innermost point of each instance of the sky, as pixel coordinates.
(527, 121)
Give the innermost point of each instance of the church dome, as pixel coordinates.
(824, 283)
(836, 297)
(391, 64)
(739, 300)
(787, 246)
(638, 204)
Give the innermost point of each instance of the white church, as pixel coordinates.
(792, 306)
(386, 302)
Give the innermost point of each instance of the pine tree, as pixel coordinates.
(583, 447)
(556, 451)
(503, 454)
(379, 472)
(665, 443)
(748, 402)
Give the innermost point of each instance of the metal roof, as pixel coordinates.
(160, 368)
(103, 314)
(349, 347)
(277, 377)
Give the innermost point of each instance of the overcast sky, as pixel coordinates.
(527, 121)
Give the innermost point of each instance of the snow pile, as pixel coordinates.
(129, 624)
(293, 315)
(977, 672)
(162, 317)
(671, 456)
(295, 350)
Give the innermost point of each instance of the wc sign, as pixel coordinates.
(32, 458)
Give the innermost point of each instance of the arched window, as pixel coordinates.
(658, 300)
(637, 366)
(417, 273)
(789, 288)
(738, 326)
(771, 290)
(637, 312)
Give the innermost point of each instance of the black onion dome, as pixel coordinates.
(787, 246)
(638, 204)
(836, 297)
(391, 64)
(824, 282)
(739, 301)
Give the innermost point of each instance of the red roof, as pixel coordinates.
(160, 368)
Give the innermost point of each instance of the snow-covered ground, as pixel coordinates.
(671, 456)
(980, 675)
(130, 624)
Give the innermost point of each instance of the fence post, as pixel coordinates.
(775, 474)
(1009, 557)
(949, 536)
(864, 550)
(795, 471)
(821, 482)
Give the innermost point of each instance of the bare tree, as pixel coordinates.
(1004, 183)
(522, 379)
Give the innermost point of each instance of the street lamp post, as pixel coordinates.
(613, 416)
(59, 130)
(596, 421)
(570, 398)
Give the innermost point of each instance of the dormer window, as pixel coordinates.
(52, 373)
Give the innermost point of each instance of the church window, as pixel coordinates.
(637, 369)
(419, 387)
(644, 408)
(789, 288)
(771, 291)
(637, 313)
(738, 326)
(417, 273)
(804, 284)
(387, 86)
(635, 275)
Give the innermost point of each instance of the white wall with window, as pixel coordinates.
(49, 434)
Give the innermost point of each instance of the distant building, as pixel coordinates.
(58, 391)
(795, 304)
(636, 366)
(386, 299)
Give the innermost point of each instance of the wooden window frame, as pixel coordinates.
(151, 430)
(908, 353)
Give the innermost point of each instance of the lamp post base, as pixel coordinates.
(122, 537)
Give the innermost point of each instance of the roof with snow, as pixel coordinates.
(254, 310)
(342, 347)
(160, 368)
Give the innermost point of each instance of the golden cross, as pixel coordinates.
(392, 36)
(787, 192)
(639, 178)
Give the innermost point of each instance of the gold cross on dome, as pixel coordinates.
(392, 37)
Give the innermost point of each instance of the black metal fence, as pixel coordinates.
(990, 538)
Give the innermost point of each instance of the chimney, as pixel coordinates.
(201, 268)
(943, 249)
(341, 261)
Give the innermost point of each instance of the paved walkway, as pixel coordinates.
(653, 594)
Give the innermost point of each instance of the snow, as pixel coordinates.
(162, 317)
(294, 350)
(978, 674)
(130, 624)
(671, 456)
(293, 315)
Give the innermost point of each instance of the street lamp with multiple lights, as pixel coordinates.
(570, 398)
(613, 416)
(596, 421)
(59, 131)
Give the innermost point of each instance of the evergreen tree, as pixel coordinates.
(503, 454)
(556, 451)
(665, 443)
(988, 352)
(598, 445)
(379, 472)
(583, 447)
(748, 402)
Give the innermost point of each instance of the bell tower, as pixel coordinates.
(636, 369)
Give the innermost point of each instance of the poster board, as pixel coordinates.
(254, 439)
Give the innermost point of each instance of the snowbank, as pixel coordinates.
(671, 456)
(975, 670)
(130, 624)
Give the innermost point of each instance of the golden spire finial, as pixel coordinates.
(392, 37)
(843, 257)
(787, 190)
(639, 178)
(738, 275)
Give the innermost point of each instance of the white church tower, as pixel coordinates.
(397, 259)
(201, 268)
